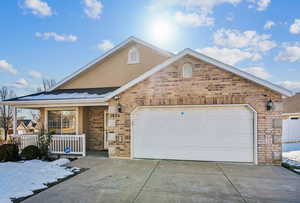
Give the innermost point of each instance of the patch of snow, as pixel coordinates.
(292, 155)
(84, 95)
(291, 162)
(20, 179)
(60, 162)
(297, 170)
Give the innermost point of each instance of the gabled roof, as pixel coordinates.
(25, 122)
(209, 60)
(292, 104)
(66, 96)
(108, 53)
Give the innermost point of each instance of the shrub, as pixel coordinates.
(30, 152)
(9, 152)
(44, 143)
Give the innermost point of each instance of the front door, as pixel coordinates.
(95, 128)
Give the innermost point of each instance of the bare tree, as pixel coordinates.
(6, 112)
(47, 84)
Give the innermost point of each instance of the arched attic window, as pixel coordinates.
(187, 70)
(133, 56)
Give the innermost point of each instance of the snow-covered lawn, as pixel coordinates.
(20, 179)
(292, 158)
(291, 155)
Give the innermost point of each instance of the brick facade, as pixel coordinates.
(95, 128)
(209, 85)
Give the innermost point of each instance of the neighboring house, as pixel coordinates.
(139, 101)
(27, 126)
(291, 119)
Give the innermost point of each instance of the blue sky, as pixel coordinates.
(51, 39)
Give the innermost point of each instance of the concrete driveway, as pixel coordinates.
(115, 180)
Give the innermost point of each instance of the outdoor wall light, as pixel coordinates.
(270, 105)
(119, 106)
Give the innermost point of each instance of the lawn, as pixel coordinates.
(21, 179)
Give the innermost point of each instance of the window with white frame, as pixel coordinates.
(62, 122)
(187, 70)
(133, 56)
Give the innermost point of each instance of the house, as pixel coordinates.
(291, 119)
(27, 126)
(139, 101)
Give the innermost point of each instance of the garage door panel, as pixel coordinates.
(209, 134)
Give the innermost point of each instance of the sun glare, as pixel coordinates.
(161, 31)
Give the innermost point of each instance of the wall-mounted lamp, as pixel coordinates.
(270, 105)
(119, 106)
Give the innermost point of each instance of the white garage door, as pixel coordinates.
(194, 133)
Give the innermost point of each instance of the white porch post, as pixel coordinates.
(14, 111)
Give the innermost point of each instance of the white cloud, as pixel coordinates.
(295, 28)
(290, 53)
(203, 5)
(36, 74)
(258, 72)
(269, 24)
(56, 37)
(199, 11)
(93, 8)
(5, 66)
(193, 19)
(292, 85)
(105, 45)
(263, 4)
(248, 39)
(229, 56)
(38, 7)
(21, 83)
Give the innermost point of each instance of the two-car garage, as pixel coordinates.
(206, 133)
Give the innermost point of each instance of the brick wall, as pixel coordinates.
(209, 85)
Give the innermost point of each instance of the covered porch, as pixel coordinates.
(76, 121)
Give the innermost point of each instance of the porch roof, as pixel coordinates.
(64, 96)
(61, 94)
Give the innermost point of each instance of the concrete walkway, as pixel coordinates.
(115, 180)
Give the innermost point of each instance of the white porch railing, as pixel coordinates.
(60, 144)
(68, 144)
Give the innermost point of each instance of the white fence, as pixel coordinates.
(68, 144)
(60, 144)
(291, 130)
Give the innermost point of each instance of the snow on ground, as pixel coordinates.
(19, 179)
(292, 155)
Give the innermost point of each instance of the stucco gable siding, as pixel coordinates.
(114, 70)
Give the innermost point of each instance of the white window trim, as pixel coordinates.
(132, 50)
(76, 109)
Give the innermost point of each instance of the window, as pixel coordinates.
(62, 122)
(187, 70)
(133, 56)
